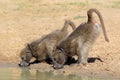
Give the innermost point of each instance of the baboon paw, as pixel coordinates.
(78, 62)
(84, 64)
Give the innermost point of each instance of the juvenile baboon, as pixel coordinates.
(42, 49)
(80, 40)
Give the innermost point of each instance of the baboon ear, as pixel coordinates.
(28, 45)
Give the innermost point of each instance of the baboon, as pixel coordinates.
(42, 49)
(80, 40)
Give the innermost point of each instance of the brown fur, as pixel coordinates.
(81, 39)
(42, 49)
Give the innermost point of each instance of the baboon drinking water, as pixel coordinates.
(80, 40)
(42, 49)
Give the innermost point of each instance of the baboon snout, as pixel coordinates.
(57, 66)
(23, 64)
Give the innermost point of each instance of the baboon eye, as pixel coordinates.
(22, 58)
(54, 59)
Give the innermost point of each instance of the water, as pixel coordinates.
(13, 72)
(34, 74)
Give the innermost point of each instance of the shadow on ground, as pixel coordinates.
(69, 61)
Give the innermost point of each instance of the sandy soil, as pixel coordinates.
(22, 21)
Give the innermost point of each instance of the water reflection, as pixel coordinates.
(27, 74)
(33, 74)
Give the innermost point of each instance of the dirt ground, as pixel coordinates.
(22, 21)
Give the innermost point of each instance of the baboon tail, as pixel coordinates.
(90, 19)
(68, 22)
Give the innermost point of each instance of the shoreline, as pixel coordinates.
(67, 70)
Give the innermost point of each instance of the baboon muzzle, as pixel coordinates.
(23, 64)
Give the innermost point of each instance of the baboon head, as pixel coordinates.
(59, 58)
(25, 55)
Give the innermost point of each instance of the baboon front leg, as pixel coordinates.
(82, 57)
(49, 53)
(83, 53)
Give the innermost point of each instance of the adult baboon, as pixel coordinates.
(42, 49)
(80, 40)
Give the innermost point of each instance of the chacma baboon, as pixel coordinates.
(42, 49)
(80, 40)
